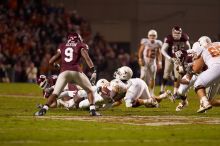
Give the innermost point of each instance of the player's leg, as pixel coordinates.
(182, 91)
(131, 96)
(167, 72)
(177, 77)
(211, 92)
(152, 77)
(82, 80)
(143, 72)
(59, 86)
(145, 97)
(204, 80)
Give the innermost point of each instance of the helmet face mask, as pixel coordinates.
(177, 32)
(152, 35)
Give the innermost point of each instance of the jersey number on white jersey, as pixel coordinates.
(214, 50)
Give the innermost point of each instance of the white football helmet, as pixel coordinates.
(204, 40)
(123, 73)
(102, 83)
(152, 32)
(196, 50)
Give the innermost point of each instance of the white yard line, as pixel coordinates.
(20, 95)
(141, 120)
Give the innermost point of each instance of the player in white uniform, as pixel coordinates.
(137, 92)
(209, 54)
(150, 58)
(100, 95)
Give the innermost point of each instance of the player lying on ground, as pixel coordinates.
(68, 98)
(136, 90)
(102, 94)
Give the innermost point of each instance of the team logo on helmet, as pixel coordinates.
(74, 37)
(42, 81)
(123, 73)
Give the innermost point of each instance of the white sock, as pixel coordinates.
(162, 96)
(152, 91)
(45, 107)
(92, 107)
(204, 100)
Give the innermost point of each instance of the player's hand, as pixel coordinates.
(56, 65)
(175, 61)
(93, 78)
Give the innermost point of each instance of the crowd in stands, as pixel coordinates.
(30, 32)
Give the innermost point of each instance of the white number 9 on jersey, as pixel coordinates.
(68, 54)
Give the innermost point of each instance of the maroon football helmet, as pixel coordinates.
(176, 32)
(42, 81)
(74, 37)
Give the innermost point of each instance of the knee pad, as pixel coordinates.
(199, 87)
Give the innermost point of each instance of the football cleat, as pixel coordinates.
(94, 113)
(154, 103)
(183, 104)
(204, 107)
(41, 112)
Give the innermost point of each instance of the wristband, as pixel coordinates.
(93, 69)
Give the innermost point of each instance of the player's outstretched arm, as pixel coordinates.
(164, 50)
(87, 58)
(55, 58)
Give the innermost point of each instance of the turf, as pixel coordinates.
(18, 126)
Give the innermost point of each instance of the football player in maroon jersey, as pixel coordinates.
(171, 49)
(68, 98)
(70, 53)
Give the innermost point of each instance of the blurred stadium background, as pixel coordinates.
(31, 30)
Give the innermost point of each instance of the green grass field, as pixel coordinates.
(117, 127)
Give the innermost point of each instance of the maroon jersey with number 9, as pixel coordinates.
(70, 55)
